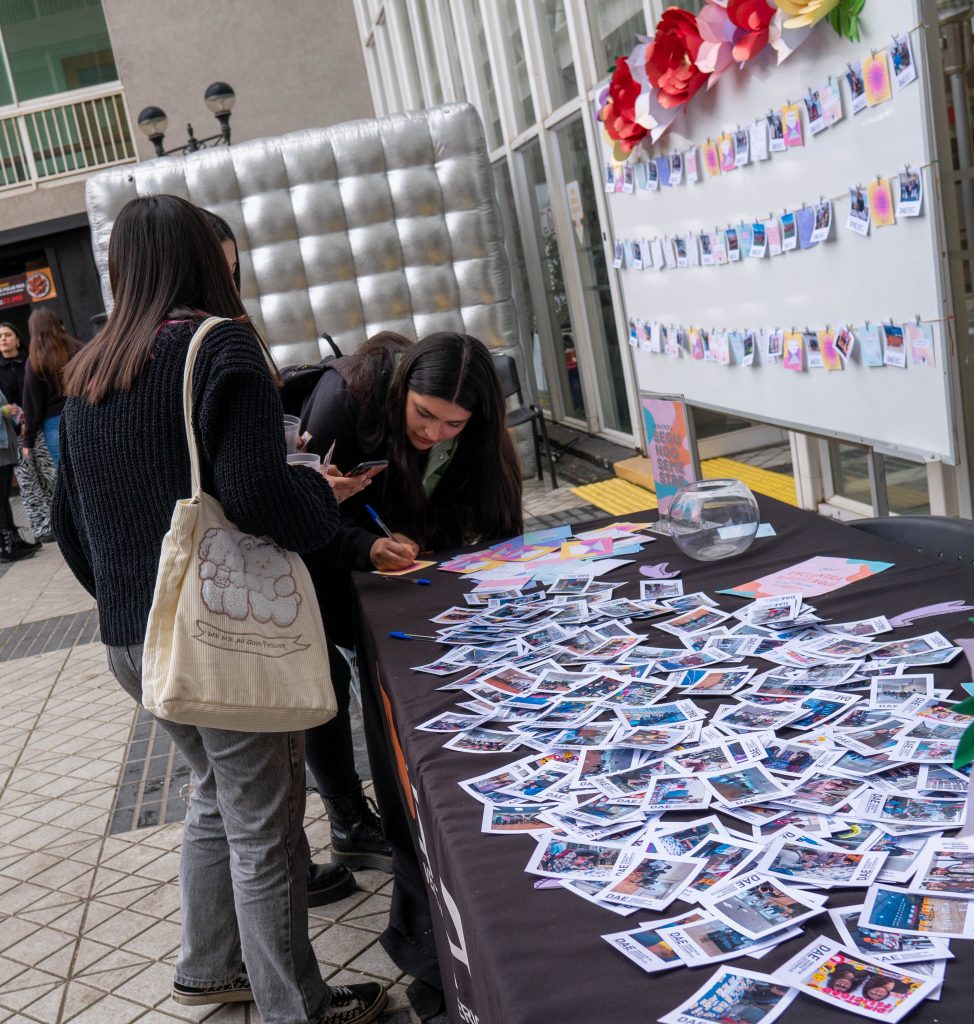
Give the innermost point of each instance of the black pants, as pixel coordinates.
(6, 486)
(328, 748)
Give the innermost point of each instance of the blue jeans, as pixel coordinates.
(243, 871)
(52, 427)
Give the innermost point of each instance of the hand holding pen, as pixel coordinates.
(392, 552)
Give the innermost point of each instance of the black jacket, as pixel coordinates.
(12, 377)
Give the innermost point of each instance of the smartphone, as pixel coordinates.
(364, 467)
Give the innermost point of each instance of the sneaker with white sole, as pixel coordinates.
(355, 1004)
(236, 991)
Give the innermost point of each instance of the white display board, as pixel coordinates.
(896, 273)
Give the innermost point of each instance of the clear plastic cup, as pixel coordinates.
(304, 459)
(292, 427)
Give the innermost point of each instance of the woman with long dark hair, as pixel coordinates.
(51, 347)
(13, 360)
(435, 411)
(124, 465)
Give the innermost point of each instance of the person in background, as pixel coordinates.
(435, 411)
(50, 349)
(244, 860)
(13, 359)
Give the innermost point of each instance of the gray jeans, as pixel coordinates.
(244, 865)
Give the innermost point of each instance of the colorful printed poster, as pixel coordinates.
(881, 203)
(727, 157)
(670, 444)
(830, 354)
(794, 351)
(895, 346)
(690, 163)
(791, 118)
(875, 73)
(811, 578)
(920, 339)
(872, 346)
(711, 159)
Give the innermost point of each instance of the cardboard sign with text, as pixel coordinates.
(670, 444)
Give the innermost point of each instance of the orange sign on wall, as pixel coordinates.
(34, 286)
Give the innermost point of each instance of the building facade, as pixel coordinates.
(74, 75)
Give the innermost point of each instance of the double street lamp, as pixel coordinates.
(219, 97)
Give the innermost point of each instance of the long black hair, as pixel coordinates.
(458, 369)
(224, 233)
(163, 261)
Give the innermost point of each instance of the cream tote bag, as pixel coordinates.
(235, 639)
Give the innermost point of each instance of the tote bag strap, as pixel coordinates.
(194, 346)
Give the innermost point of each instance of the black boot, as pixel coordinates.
(356, 832)
(328, 883)
(10, 550)
(22, 545)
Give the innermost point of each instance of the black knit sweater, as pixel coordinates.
(124, 465)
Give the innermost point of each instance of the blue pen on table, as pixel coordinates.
(378, 522)
(397, 635)
(402, 579)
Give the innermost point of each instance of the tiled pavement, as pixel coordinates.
(89, 916)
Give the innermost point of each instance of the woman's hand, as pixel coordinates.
(26, 452)
(345, 486)
(389, 555)
(407, 542)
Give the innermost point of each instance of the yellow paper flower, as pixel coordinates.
(803, 13)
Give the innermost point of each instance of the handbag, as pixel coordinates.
(235, 638)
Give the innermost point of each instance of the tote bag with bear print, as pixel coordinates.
(235, 639)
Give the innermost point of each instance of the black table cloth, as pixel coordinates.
(512, 954)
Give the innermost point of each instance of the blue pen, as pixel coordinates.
(397, 635)
(378, 522)
(402, 579)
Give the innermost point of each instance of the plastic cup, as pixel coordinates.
(304, 459)
(292, 427)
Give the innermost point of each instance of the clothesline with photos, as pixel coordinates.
(829, 348)
(796, 230)
(830, 770)
(780, 130)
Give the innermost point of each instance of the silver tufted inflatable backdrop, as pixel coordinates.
(375, 225)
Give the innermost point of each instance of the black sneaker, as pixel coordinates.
(236, 991)
(355, 1004)
(328, 883)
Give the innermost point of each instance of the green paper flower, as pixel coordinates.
(965, 749)
(845, 19)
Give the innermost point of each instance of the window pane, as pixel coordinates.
(518, 68)
(490, 114)
(596, 294)
(422, 28)
(56, 47)
(530, 329)
(559, 67)
(569, 383)
(397, 18)
(907, 491)
(615, 25)
(452, 50)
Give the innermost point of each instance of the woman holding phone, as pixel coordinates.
(434, 412)
(244, 859)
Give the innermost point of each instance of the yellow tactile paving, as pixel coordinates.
(619, 497)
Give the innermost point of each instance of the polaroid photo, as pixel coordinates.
(733, 994)
(758, 140)
(759, 240)
(631, 783)
(830, 97)
(669, 713)
(909, 194)
(742, 147)
(701, 759)
(905, 810)
(600, 810)
(722, 858)
(503, 819)
(592, 734)
(676, 168)
(859, 212)
(656, 740)
(742, 786)
(885, 947)
(813, 108)
(711, 941)
(672, 661)
(811, 865)
(822, 792)
(847, 981)
(793, 761)
(491, 786)
(747, 717)
(628, 178)
(821, 706)
(450, 721)
(903, 852)
(648, 946)
(939, 779)
(679, 839)
(914, 913)
(877, 737)
(776, 132)
(557, 858)
(696, 620)
(890, 692)
(484, 741)
(676, 793)
(789, 232)
(901, 60)
(759, 906)
(923, 751)
(658, 590)
(715, 682)
(571, 584)
(895, 352)
(945, 868)
(768, 610)
(857, 85)
(733, 245)
(687, 602)
(649, 882)
(773, 229)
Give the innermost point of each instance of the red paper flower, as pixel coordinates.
(618, 114)
(754, 17)
(671, 58)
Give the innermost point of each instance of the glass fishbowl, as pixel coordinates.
(712, 519)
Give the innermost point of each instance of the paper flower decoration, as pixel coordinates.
(671, 59)
(618, 113)
(845, 19)
(802, 13)
(753, 18)
(717, 35)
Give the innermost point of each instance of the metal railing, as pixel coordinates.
(69, 137)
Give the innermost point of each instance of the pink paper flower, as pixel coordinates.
(717, 34)
(753, 18)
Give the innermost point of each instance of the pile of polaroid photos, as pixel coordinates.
(829, 768)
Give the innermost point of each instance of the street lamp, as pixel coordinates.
(219, 97)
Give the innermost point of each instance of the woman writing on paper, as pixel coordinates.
(124, 465)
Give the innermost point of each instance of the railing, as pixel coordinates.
(70, 137)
